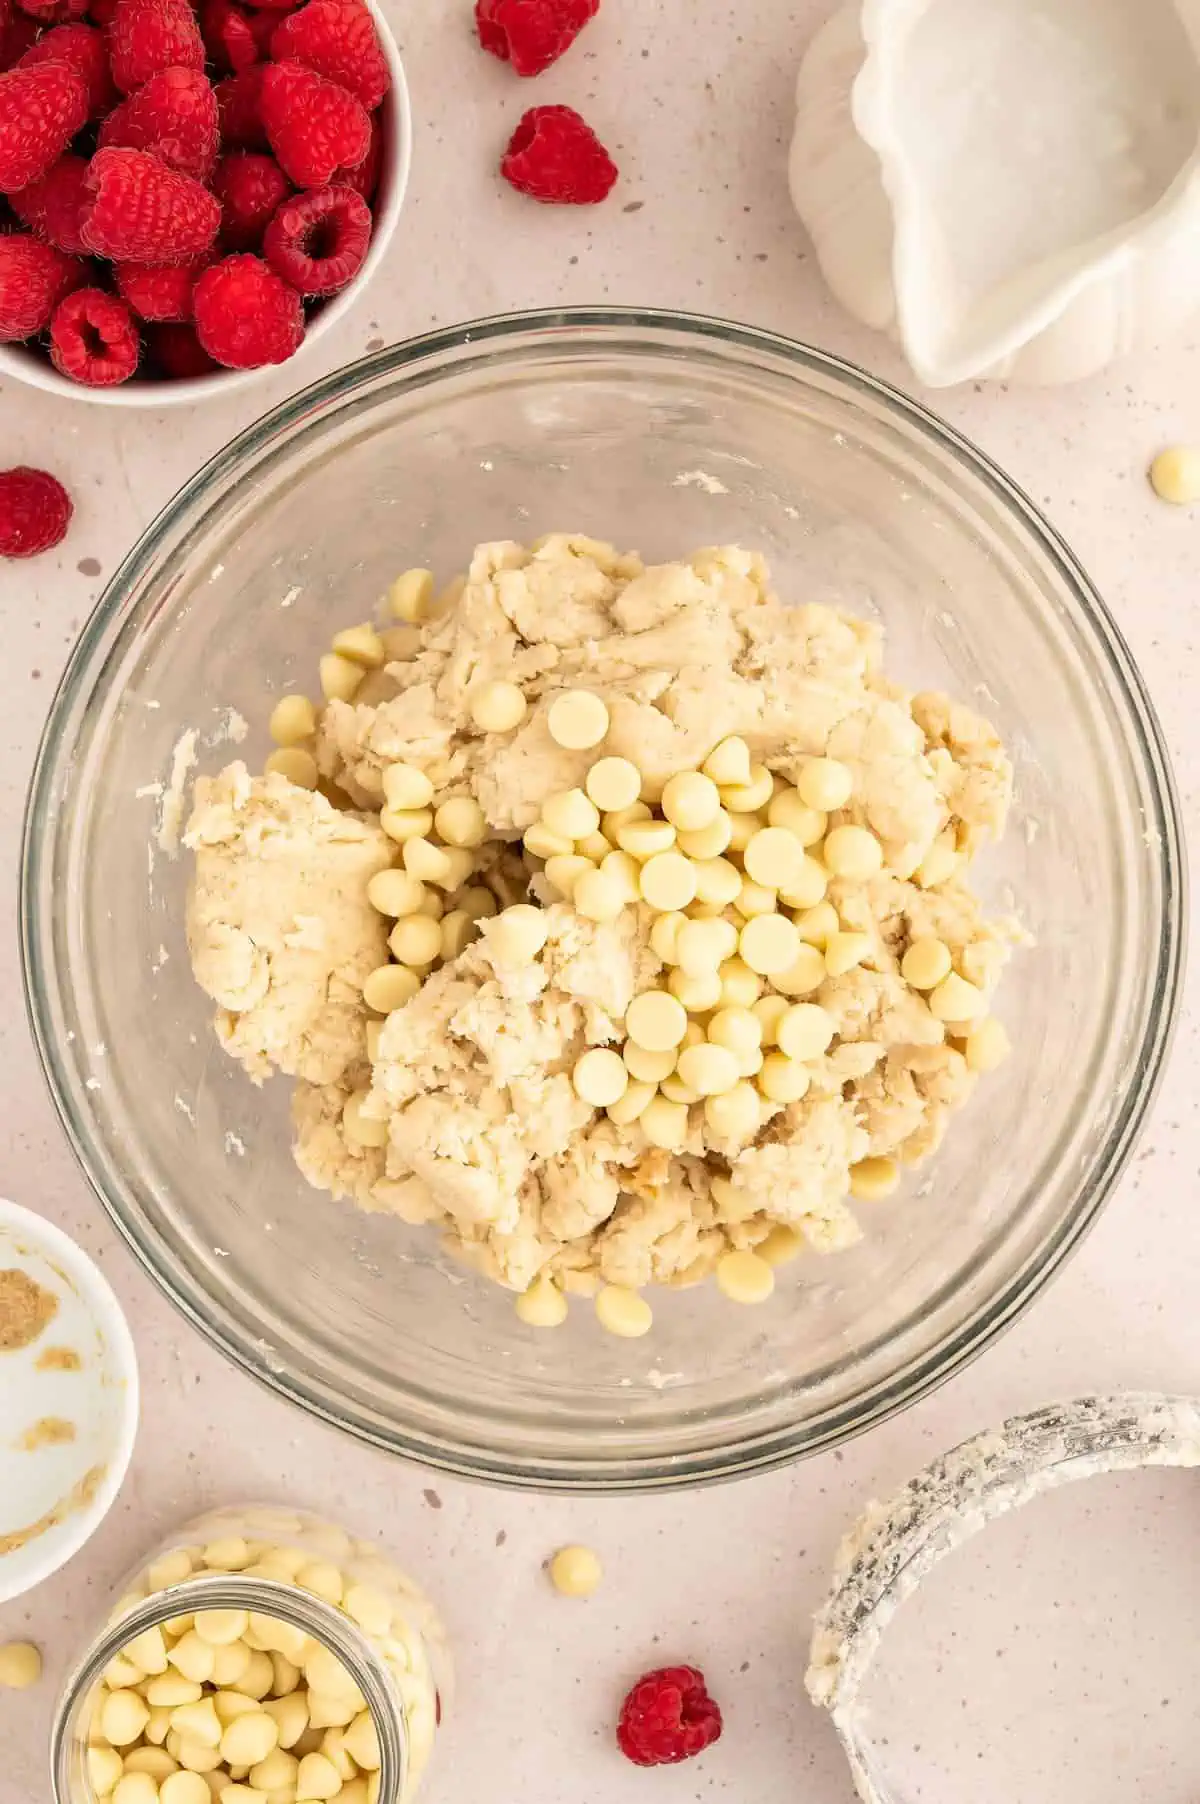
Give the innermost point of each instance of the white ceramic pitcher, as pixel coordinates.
(1010, 187)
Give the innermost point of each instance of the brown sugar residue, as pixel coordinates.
(25, 1310)
(49, 1431)
(77, 1498)
(59, 1359)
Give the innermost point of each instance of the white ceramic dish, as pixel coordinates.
(69, 1484)
(923, 127)
(32, 367)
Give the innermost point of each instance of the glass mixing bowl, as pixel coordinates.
(661, 433)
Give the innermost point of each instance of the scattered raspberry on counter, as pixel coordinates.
(35, 511)
(531, 34)
(41, 109)
(246, 315)
(668, 1716)
(317, 241)
(33, 279)
(94, 339)
(555, 156)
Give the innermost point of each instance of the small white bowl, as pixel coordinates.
(66, 1484)
(34, 367)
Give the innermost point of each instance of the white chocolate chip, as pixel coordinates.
(577, 720)
(576, 1571)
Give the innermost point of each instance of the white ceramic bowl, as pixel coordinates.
(34, 367)
(66, 1484)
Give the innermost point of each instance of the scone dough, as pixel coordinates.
(486, 1136)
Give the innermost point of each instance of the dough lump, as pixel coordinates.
(458, 1109)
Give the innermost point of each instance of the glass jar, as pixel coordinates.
(298, 1585)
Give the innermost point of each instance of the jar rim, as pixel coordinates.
(268, 1597)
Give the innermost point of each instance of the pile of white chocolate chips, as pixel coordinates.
(614, 920)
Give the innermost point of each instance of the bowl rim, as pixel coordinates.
(102, 1303)
(927, 1370)
(17, 360)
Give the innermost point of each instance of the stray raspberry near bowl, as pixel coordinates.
(167, 166)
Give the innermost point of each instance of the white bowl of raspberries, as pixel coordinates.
(189, 194)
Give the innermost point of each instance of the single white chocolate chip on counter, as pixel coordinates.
(872, 1179)
(542, 1305)
(498, 707)
(577, 720)
(1175, 475)
(623, 1312)
(613, 784)
(340, 678)
(293, 719)
(362, 645)
(576, 1571)
(744, 1277)
(294, 763)
(600, 1077)
(20, 1666)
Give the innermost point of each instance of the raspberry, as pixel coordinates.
(364, 176)
(338, 39)
(235, 38)
(146, 213)
(246, 315)
(158, 292)
(175, 351)
(41, 109)
(35, 511)
(17, 37)
(94, 338)
(250, 187)
(148, 35)
(317, 241)
(174, 115)
(54, 206)
(668, 1716)
(239, 109)
(531, 34)
(554, 155)
(53, 12)
(33, 279)
(314, 126)
(82, 48)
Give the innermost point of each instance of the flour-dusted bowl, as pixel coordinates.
(662, 433)
(32, 365)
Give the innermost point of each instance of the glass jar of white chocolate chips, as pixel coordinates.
(260, 1656)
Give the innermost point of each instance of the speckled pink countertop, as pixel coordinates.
(695, 103)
